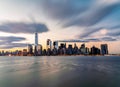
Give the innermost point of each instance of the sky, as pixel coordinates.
(94, 21)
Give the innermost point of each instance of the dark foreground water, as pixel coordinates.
(73, 71)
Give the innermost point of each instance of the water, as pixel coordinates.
(73, 71)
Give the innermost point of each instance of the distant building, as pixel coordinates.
(49, 44)
(30, 49)
(35, 51)
(86, 50)
(62, 45)
(75, 49)
(3, 53)
(39, 49)
(55, 51)
(55, 44)
(95, 51)
(104, 49)
(36, 38)
(83, 49)
(24, 52)
(70, 49)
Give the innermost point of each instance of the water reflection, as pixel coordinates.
(60, 71)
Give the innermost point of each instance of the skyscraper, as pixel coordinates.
(55, 44)
(95, 51)
(35, 51)
(104, 49)
(49, 44)
(36, 38)
(82, 49)
(39, 49)
(30, 49)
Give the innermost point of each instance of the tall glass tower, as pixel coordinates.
(36, 38)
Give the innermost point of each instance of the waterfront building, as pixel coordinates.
(55, 44)
(49, 44)
(55, 51)
(24, 52)
(82, 49)
(30, 49)
(70, 50)
(104, 49)
(86, 50)
(36, 38)
(39, 49)
(75, 49)
(35, 51)
(95, 51)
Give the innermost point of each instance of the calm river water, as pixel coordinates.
(62, 71)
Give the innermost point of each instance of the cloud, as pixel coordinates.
(64, 9)
(82, 40)
(88, 32)
(10, 42)
(114, 33)
(108, 39)
(79, 12)
(13, 45)
(12, 39)
(93, 40)
(101, 39)
(90, 40)
(109, 30)
(92, 16)
(21, 27)
(89, 14)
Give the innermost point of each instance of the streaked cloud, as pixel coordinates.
(13, 45)
(79, 12)
(108, 39)
(90, 40)
(112, 31)
(93, 16)
(11, 42)
(90, 14)
(64, 9)
(22, 27)
(101, 39)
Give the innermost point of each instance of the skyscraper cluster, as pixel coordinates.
(63, 49)
(54, 48)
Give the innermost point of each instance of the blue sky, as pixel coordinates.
(92, 20)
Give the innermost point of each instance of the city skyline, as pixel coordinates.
(58, 48)
(96, 21)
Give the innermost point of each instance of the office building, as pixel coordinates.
(95, 51)
(55, 44)
(30, 49)
(24, 52)
(49, 44)
(36, 38)
(104, 49)
(83, 49)
(39, 49)
(35, 51)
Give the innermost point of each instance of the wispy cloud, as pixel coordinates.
(101, 39)
(11, 42)
(90, 14)
(113, 31)
(79, 12)
(22, 27)
(108, 39)
(64, 9)
(13, 45)
(93, 16)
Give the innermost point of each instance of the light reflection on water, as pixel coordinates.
(73, 71)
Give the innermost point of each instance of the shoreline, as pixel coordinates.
(56, 55)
